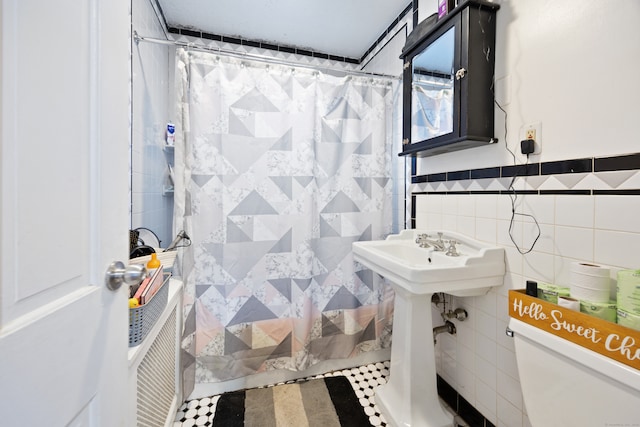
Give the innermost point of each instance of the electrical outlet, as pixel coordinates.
(533, 131)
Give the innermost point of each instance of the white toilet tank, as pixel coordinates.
(566, 385)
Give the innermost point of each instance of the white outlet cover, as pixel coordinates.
(537, 126)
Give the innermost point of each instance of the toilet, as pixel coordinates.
(566, 385)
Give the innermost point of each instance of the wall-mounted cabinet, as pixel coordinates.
(448, 81)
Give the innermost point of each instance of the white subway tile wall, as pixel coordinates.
(151, 63)
(479, 362)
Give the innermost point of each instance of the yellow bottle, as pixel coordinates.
(153, 264)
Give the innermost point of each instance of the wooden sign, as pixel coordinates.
(609, 339)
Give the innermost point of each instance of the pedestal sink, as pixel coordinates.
(410, 398)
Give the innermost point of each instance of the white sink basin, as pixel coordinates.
(417, 270)
(410, 397)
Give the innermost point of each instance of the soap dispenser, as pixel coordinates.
(153, 264)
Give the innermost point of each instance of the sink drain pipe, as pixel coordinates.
(448, 327)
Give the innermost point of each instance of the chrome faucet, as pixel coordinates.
(424, 241)
(452, 250)
(421, 240)
(438, 245)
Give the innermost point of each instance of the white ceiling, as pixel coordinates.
(336, 27)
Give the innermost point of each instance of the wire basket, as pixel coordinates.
(142, 319)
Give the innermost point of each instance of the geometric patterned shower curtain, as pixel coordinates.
(278, 171)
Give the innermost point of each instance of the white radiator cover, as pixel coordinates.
(156, 377)
(154, 368)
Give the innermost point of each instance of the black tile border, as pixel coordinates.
(630, 192)
(582, 165)
(460, 405)
(412, 7)
(617, 163)
(437, 177)
(262, 45)
(572, 192)
(413, 207)
(212, 37)
(485, 173)
(447, 393)
(486, 192)
(529, 169)
(233, 40)
(616, 192)
(590, 164)
(469, 414)
(567, 166)
(458, 175)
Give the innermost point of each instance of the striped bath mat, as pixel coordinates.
(322, 402)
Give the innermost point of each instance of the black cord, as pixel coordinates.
(150, 231)
(513, 195)
(512, 191)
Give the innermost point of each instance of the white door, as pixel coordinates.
(64, 135)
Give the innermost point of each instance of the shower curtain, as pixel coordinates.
(278, 170)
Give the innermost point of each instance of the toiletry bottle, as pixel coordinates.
(153, 264)
(171, 134)
(532, 288)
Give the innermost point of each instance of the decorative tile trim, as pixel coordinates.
(528, 169)
(261, 45)
(389, 31)
(567, 166)
(575, 192)
(614, 175)
(447, 393)
(616, 163)
(411, 7)
(458, 175)
(600, 164)
(485, 173)
(413, 206)
(535, 192)
(471, 416)
(616, 192)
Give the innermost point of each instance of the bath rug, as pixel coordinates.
(321, 402)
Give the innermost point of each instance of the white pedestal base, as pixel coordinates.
(410, 398)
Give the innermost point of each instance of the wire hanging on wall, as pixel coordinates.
(513, 195)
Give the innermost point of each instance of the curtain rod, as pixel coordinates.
(138, 38)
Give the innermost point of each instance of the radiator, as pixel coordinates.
(157, 378)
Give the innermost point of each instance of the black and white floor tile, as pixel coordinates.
(364, 379)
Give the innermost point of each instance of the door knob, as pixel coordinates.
(117, 273)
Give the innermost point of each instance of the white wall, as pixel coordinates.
(385, 60)
(569, 66)
(151, 112)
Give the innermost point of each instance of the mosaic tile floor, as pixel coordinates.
(364, 379)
